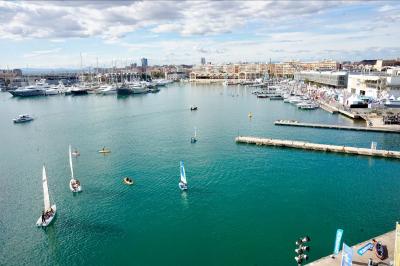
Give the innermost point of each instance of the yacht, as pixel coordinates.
(79, 90)
(27, 91)
(124, 89)
(139, 88)
(107, 89)
(307, 105)
(392, 103)
(23, 118)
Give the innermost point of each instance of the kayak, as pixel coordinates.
(104, 151)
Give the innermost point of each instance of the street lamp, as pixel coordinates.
(301, 250)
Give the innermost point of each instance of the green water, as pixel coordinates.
(246, 205)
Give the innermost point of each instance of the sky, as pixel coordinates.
(54, 34)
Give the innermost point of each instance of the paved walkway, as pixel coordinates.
(387, 239)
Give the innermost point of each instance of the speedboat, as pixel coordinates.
(23, 118)
(183, 182)
(49, 211)
(193, 108)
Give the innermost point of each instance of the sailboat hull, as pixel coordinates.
(71, 187)
(48, 221)
(183, 186)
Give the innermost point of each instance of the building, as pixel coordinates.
(375, 85)
(203, 60)
(144, 64)
(336, 79)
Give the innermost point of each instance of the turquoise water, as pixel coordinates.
(246, 205)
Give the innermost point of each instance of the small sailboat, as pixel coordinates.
(74, 184)
(104, 150)
(194, 138)
(250, 115)
(76, 153)
(183, 182)
(128, 181)
(49, 211)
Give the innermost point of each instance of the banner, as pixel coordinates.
(365, 248)
(347, 255)
(339, 234)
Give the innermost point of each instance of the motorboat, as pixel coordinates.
(23, 118)
(107, 89)
(262, 96)
(124, 89)
(49, 211)
(392, 103)
(183, 182)
(193, 108)
(276, 97)
(74, 184)
(28, 91)
(307, 105)
(79, 90)
(128, 181)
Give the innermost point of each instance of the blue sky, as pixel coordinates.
(55, 33)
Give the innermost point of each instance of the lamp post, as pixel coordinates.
(301, 250)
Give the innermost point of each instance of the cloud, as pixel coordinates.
(114, 19)
(42, 52)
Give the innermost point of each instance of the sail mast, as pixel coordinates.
(70, 163)
(45, 190)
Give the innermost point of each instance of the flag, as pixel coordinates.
(339, 234)
(347, 255)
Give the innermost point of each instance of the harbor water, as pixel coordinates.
(246, 205)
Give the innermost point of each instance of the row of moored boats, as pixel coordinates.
(41, 88)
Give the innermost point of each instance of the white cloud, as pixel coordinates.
(42, 52)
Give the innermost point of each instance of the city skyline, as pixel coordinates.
(54, 34)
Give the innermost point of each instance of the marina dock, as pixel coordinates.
(387, 239)
(339, 127)
(318, 147)
(328, 108)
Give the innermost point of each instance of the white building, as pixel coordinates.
(375, 85)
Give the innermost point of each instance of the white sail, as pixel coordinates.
(45, 191)
(70, 163)
(195, 132)
(183, 174)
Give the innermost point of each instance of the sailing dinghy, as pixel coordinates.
(49, 212)
(194, 138)
(183, 182)
(74, 184)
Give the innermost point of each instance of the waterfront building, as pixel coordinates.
(375, 84)
(144, 62)
(335, 79)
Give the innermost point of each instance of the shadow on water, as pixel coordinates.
(86, 227)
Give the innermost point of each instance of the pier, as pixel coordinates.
(339, 127)
(318, 147)
(387, 240)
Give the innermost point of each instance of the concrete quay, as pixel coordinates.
(339, 127)
(318, 147)
(387, 240)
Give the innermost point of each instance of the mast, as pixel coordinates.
(70, 163)
(45, 190)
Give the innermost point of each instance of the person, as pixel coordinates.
(370, 262)
(43, 219)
